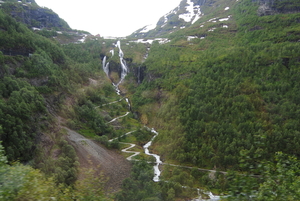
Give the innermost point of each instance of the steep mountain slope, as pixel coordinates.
(29, 13)
(224, 90)
(185, 15)
(37, 76)
(190, 12)
(221, 89)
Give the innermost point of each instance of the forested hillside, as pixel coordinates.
(223, 94)
(228, 100)
(37, 75)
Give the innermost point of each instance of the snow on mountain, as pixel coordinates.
(188, 13)
(148, 28)
(192, 12)
(184, 15)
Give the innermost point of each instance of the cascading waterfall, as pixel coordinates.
(158, 162)
(123, 63)
(128, 103)
(157, 157)
(124, 69)
(112, 52)
(105, 66)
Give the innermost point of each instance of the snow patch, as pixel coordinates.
(174, 11)
(150, 41)
(83, 38)
(148, 28)
(212, 19)
(224, 19)
(225, 26)
(193, 13)
(189, 38)
(164, 41)
(212, 29)
(227, 8)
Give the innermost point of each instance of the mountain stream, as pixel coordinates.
(157, 172)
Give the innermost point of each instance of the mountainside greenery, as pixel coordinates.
(37, 75)
(230, 97)
(226, 100)
(233, 93)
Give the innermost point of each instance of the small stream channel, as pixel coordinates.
(158, 162)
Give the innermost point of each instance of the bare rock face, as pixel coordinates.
(265, 9)
(271, 7)
(34, 16)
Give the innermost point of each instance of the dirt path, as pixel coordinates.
(92, 155)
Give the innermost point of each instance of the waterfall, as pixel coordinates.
(158, 161)
(129, 106)
(105, 66)
(124, 69)
(112, 53)
(157, 157)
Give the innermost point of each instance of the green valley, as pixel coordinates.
(222, 93)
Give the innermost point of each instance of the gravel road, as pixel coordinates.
(90, 154)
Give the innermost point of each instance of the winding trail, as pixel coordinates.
(111, 102)
(118, 118)
(157, 172)
(134, 153)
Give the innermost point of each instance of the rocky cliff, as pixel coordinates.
(271, 7)
(34, 16)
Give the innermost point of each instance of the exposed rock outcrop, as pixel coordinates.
(34, 16)
(271, 7)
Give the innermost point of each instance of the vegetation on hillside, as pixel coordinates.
(228, 102)
(230, 95)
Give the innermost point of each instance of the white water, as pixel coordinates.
(127, 100)
(211, 196)
(105, 66)
(123, 63)
(124, 69)
(157, 172)
(157, 157)
(112, 52)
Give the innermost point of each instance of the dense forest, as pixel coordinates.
(229, 102)
(225, 101)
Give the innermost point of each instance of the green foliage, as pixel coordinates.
(18, 109)
(91, 187)
(278, 180)
(21, 182)
(93, 119)
(140, 185)
(231, 99)
(143, 136)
